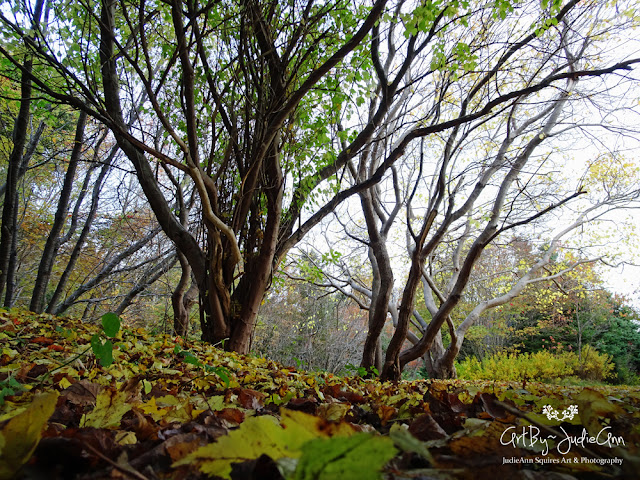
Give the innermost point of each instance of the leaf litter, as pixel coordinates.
(171, 409)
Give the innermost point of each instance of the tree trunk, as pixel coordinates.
(440, 362)
(178, 299)
(53, 240)
(391, 370)
(10, 207)
(251, 289)
(382, 284)
(444, 370)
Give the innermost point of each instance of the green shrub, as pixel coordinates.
(537, 366)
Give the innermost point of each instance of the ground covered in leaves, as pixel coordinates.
(168, 409)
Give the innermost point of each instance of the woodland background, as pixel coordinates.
(397, 188)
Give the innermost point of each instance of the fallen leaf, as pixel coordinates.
(358, 457)
(21, 434)
(426, 428)
(110, 407)
(263, 435)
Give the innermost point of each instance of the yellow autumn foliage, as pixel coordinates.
(538, 366)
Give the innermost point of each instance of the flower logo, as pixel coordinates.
(566, 414)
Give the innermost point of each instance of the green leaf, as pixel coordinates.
(359, 457)
(5, 392)
(222, 372)
(96, 345)
(102, 351)
(106, 358)
(110, 324)
(191, 359)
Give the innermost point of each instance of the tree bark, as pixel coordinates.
(179, 301)
(53, 240)
(10, 207)
(381, 289)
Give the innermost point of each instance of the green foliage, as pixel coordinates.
(601, 321)
(538, 366)
(358, 457)
(9, 386)
(103, 350)
(110, 324)
(622, 341)
(191, 359)
(362, 371)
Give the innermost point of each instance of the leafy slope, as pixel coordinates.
(165, 409)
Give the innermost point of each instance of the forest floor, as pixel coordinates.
(168, 409)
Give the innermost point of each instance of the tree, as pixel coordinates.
(228, 57)
(53, 240)
(17, 163)
(57, 227)
(239, 97)
(486, 178)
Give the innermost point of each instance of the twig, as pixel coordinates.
(127, 470)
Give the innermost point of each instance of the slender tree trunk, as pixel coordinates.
(53, 241)
(392, 369)
(254, 283)
(10, 207)
(379, 308)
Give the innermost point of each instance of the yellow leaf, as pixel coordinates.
(64, 383)
(126, 438)
(334, 411)
(151, 408)
(146, 384)
(169, 400)
(111, 405)
(21, 434)
(594, 407)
